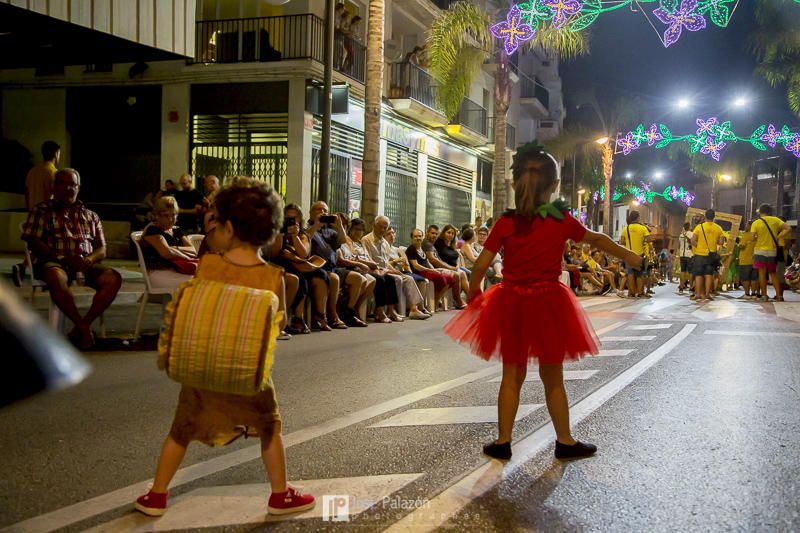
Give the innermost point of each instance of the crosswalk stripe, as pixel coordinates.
(612, 353)
(456, 497)
(629, 338)
(569, 375)
(748, 333)
(451, 415)
(234, 505)
(647, 327)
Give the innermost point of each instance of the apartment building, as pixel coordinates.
(138, 92)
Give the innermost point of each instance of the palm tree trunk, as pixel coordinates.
(372, 112)
(500, 186)
(608, 165)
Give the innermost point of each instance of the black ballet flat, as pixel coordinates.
(498, 451)
(576, 451)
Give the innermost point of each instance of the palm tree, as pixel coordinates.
(776, 45)
(372, 111)
(459, 43)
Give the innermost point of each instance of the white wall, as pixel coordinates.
(175, 155)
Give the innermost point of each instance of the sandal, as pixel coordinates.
(298, 327)
(337, 324)
(322, 323)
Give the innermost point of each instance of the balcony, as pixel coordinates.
(535, 98)
(283, 38)
(511, 135)
(470, 125)
(412, 94)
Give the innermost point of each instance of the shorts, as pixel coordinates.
(630, 271)
(686, 264)
(93, 272)
(763, 261)
(748, 273)
(702, 265)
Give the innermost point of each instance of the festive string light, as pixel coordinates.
(513, 30)
(711, 138)
(644, 194)
(577, 15)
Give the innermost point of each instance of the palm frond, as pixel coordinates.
(793, 93)
(458, 43)
(565, 44)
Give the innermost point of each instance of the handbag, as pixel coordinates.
(779, 253)
(304, 264)
(185, 266)
(716, 262)
(220, 337)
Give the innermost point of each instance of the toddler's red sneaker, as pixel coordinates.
(152, 503)
(291, 501)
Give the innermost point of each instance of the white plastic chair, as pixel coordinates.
(55, 316)
(196, 239)
(149, 290)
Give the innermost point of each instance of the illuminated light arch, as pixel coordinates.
(644, 193)
(576, 15)
(711, 138)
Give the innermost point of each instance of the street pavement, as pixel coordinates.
(693, 408)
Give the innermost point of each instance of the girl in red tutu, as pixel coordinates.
(531, 315)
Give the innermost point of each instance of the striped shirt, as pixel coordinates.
(72, 231)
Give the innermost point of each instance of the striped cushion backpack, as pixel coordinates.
(220, 337)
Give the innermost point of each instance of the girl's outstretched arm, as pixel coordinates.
(604, 243)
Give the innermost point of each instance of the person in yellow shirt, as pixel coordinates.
(38, 189)
(768, 230)
(634, 236)
(747, 274)
(706, 238)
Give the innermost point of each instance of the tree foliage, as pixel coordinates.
(776, 45)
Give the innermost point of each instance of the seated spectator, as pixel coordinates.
(291, 250)
(444, 255)
(67, 243)
(381, 252)
(353, 254)
(190, 205)
(168, 255)
(601, 273)
(468, 255)
(327, 234)
(418, 260)
(460, 239)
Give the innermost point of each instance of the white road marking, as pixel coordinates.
(614, 353)
(747, 333)
(451, 415)
(596, 300)
(61, 518)
(610, 328)
(237, 505)
(647, 327)
(788, 310)
(629, 338)
(569, 375)
(454, 498)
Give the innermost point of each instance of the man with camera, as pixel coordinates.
(327, 233)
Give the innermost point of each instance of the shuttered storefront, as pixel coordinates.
(449, 198)
(241, 145)
(347, 148)
(400, 198)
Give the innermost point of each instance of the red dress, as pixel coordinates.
(531, 314)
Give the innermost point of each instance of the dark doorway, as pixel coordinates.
(115, 137)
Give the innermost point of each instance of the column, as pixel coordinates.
(298, 159)
(175, 131)
(422, 189)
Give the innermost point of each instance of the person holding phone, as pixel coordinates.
(326, 233)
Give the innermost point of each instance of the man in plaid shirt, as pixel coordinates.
(66, 241)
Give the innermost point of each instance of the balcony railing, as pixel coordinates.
(473, 116)
(533, 88)
(511, 134)
(407, 80)
(276, 39)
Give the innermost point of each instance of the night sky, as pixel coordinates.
(710, 67)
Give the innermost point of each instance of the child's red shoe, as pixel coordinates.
(152, 503)
(291, 501)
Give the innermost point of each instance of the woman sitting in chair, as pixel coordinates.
(168, 255)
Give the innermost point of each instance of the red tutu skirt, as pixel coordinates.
(519, 323)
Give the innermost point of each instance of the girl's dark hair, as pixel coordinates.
(252, 208)
(445, 229)
(534, 172)
(356, 222)
(468, 234)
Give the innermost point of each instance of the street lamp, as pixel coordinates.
(740, 102)
(726, 177)
(658, 175)
(683, 103)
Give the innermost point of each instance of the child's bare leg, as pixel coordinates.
(508, 400)
(556, 398)
(172, 455)
(274, 457)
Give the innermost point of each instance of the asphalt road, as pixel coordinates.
(693, 408)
